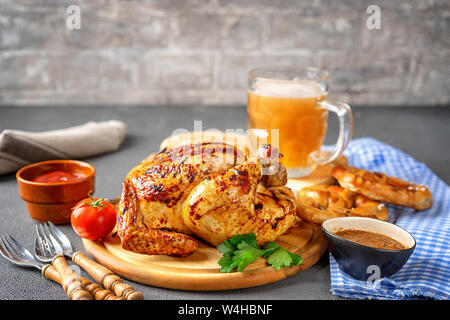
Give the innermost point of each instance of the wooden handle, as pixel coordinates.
(49, 272)
(70, 280)
(98, 292)
(106, 277)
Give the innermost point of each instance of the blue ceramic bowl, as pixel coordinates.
(360, 261)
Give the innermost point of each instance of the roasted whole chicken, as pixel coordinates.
(211, 190)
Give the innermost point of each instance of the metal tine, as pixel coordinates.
(38, 244)
(4, 250)
(54, 245)
(59, 235)
(16, 251)
(25, 253)
(9, 248)
(49, 240)
(11, 256)
(42, 241)
(39, 252)
(16, 247)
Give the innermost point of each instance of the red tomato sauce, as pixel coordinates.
(57, 177)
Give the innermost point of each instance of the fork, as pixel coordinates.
(98, 272)
(46, 247)
(18, 254)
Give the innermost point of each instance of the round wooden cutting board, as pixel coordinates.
(200, 270)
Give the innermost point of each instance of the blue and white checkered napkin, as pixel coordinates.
(427, 272)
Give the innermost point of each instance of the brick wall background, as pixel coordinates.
(176, 52)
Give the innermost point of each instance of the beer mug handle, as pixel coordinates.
(345, 117)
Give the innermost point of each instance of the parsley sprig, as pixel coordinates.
(241, 250)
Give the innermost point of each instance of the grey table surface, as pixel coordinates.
(423, 132)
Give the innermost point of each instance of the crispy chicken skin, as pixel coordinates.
(209, 190)
(225, 205)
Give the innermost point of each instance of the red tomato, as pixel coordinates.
(93, 218)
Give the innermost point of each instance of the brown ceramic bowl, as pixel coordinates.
(54, 201)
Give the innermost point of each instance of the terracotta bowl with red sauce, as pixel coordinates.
(52, 188)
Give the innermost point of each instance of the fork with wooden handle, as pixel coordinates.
(18, 254)
(98, 272)
(44, 250)
(97, 292)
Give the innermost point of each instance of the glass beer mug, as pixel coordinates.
(290, 106)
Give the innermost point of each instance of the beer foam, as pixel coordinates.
(287, 89)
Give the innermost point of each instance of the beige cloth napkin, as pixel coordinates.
(19, 148)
